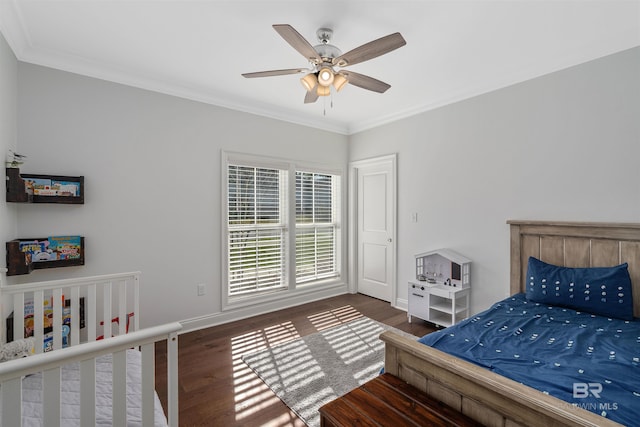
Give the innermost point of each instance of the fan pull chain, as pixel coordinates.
(324, 103)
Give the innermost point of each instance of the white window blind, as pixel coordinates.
(282, 227)
(256, 229)
(316, 226)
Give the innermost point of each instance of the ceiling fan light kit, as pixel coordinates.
(339, 81)
(324, 57)
(323, 90)
(325, 76)
(309, 81)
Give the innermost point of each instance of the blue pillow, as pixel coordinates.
(605, 291)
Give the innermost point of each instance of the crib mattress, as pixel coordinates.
(70, 395)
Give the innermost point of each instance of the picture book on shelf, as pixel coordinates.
(37, 183)
(66, 188)
(36, 251)
(66, 247)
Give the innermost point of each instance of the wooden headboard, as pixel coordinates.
(575, 244)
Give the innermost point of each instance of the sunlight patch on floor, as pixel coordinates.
(251, 394)
(331, 318)
(350, 349)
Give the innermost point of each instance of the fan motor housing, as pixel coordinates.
(325, 49)
(327, 52)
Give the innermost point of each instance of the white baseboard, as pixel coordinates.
(402, 304)
(214, 319)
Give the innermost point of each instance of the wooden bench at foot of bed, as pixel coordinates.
(389, 401)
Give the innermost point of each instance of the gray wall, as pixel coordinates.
(562, 147)
(153, 182)
(8, 132)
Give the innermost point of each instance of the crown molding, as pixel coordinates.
(501, 81)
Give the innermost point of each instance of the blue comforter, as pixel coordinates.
(589, 361)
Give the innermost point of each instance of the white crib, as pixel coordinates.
(105, 341)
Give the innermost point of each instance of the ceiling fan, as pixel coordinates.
(328, 62)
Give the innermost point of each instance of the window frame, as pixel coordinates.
(333, 224)
(254, 231)
(291, 288)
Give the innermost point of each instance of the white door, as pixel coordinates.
(376, 197)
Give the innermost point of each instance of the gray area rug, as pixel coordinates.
(310, 371)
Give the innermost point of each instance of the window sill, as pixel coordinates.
(281, 295)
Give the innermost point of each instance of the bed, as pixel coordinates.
(92, 364)
(480, 390)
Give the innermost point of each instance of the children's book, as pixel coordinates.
(66, 188)
(36, 251)
(48, 342)
(41, 186)
(29, 325)
(66, 325)
(66, 247)
(38, 183)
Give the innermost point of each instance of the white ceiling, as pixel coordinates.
(198, 49)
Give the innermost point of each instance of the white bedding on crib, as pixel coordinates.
(70, 395)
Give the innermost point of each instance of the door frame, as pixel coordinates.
(354, 166)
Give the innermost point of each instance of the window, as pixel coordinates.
(316, 226)
(256, 229)
(262, 255)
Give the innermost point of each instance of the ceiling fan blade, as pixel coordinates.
(298, 42)
(311, 96)
(275, 73)
(370, 50)
(365, 82)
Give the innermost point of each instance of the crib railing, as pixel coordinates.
(50, 363)
(106, 298)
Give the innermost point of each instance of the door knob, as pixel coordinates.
(389, 240)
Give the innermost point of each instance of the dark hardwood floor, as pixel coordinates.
(216, 388)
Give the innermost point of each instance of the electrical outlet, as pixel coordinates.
(201, 289)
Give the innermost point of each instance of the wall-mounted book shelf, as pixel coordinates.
(41, 188)
(26, 255)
